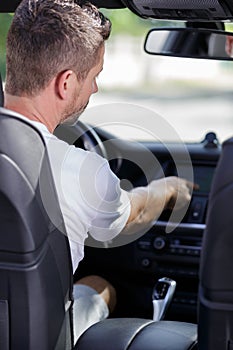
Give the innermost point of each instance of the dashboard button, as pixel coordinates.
(197, 210)
(159, 243)
(144, 245)
(145, 262)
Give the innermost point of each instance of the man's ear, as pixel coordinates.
(64, 82)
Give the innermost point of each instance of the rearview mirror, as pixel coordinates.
(190, 42)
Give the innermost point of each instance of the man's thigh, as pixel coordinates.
(89, 308)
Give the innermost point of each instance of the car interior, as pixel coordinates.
(173, 283)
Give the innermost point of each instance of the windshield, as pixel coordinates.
(191, 96)
(149, 98)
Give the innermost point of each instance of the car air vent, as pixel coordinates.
(192, 10)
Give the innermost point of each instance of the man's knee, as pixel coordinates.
(102, 287)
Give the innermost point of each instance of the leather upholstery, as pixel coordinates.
(216, 283)
(139, 334)
(35, 264)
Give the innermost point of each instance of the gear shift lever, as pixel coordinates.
(162, 296)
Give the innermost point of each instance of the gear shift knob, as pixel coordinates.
(162, 297)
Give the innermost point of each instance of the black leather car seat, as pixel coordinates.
(139, 334)
(215, 326)
(35, 264)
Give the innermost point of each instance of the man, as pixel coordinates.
(55, 51)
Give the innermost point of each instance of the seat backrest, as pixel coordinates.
(35, 263)
(215, 325)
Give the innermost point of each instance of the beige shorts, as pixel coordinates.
(89, 307)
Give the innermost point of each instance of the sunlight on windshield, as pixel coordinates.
(194, 96)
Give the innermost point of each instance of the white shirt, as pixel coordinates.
(89, 194)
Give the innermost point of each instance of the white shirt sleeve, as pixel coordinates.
(107, 205)
(89, 193)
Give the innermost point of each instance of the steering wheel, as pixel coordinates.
(83, 136)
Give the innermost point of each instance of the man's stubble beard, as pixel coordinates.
(72, 113)
(71, 119)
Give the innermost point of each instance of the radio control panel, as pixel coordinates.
(182, 246)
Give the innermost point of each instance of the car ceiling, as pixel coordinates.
(185, 10)
(10, 5)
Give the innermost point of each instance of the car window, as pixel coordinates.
(5, 20)
(190, 96)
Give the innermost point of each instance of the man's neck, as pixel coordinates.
(32, 108)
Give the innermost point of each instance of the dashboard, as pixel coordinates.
(134, 268)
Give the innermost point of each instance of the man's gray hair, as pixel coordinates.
(50, 36)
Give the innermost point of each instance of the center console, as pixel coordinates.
(177, 254)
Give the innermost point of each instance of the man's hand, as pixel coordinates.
(147, 203)
(179, 190)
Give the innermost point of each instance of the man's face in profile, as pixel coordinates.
(83, 92)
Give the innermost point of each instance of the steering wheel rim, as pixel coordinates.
(83, 136)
